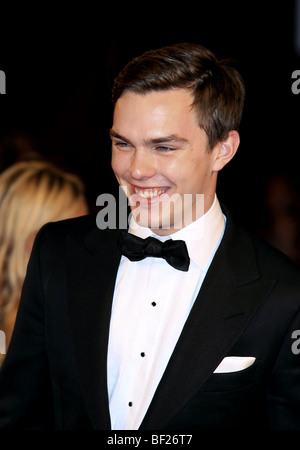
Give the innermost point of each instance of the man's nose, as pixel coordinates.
(142, 165)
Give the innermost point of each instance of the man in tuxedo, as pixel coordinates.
(184, 322)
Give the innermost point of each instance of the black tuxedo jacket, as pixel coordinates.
(55, 374)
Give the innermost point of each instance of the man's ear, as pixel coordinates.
(225, 150)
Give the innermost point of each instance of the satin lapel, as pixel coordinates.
(93, 266)
(231, 293)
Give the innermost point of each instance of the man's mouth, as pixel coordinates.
(149, 192)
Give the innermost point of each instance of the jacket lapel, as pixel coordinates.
(92, 271)
(231, 293)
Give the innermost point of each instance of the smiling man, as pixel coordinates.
(160, 152)
(184, 321)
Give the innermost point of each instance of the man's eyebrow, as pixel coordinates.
(114, 134)
(162, 139)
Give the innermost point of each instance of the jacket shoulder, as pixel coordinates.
(83, 230)
(273, 261)
(250, 257)
(82, 224)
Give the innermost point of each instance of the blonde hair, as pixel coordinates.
(32, 193)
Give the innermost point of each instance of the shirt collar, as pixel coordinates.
(202, 237)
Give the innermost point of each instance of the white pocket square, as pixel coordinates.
(234, 364)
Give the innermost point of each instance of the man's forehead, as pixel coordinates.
(167, 112)
(172, 97)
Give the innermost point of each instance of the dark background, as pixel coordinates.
(60, 63)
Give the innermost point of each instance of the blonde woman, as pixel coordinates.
(31, 194)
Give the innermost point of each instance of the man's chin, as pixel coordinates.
(146, 220)
(157, 225)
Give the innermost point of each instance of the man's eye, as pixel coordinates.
(122, 144)
(164, 148)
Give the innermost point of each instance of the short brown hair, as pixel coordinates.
(217, 86)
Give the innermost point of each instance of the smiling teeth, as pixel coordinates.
(149, 193)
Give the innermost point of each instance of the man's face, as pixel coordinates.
(159, 154)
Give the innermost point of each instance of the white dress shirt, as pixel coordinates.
(151, 303)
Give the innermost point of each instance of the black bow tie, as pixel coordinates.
(136, 249)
